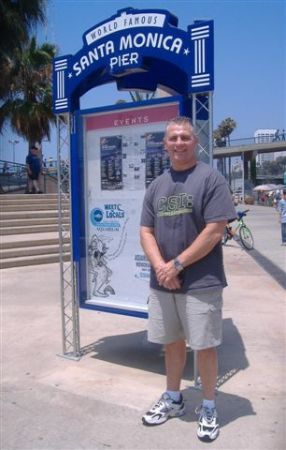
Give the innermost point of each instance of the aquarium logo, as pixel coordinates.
(96, 216)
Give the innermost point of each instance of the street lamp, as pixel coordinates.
(14, 142)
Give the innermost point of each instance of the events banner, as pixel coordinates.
(124, 152)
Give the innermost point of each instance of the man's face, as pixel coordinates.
(180, 143)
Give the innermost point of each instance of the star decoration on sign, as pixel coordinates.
(186, 51)
(70, 75)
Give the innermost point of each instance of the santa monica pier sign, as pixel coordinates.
(137, 49)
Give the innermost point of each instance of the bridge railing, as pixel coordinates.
(250, 141)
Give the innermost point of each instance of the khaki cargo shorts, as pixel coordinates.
(195, 317)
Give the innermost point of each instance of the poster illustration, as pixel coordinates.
(98, 267)
(115, 273)
(106, 244)
(157, 160)
(111, 162)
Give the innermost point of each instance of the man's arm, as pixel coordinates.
(202, 245)
(154, 256)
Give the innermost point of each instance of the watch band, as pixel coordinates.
(178, 265)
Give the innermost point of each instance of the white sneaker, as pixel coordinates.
(161, 411)
(208, 427)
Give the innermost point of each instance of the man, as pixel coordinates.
(184, 214)
(34, 168)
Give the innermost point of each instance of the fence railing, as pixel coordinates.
(13, 178)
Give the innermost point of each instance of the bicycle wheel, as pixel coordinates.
(246, 237)
(225, 236)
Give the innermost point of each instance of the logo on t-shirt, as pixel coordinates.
(175, 205)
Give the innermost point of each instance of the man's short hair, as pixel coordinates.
(181, 120)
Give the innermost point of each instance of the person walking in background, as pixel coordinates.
(282, 212)
(185, 211)
(276, 136)
(5, 168)
(34, 168)
(276, 198)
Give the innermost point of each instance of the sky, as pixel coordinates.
(250, 57)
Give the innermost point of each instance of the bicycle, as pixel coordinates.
(244, 232)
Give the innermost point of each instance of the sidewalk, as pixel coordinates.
(54, 403)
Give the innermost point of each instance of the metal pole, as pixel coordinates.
(203, 104)
(74, 265)
(229, 171)
(194, 110)
(211, 128)
(14, 142)
(198, 105)
(68, 270)
(243, 176)
(196, 372)
(61, 240)
(194, 121)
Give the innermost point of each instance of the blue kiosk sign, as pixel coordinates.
(137, 50)
(116, 151)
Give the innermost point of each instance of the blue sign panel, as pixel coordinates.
(137, 49)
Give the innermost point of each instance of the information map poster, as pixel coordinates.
(124, 152)
(111, 162)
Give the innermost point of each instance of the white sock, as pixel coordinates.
(175, 395)
(209, 403)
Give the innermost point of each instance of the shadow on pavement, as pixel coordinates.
(130, 350)
(231, 354)
(276, 272)
(232, 358)
(269, 266)
(230, 407)
(133, 350)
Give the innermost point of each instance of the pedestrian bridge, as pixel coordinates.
(247, 149)
(238, 147)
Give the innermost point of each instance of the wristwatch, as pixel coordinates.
(178, 265)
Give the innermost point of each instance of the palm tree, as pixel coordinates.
(28, 107)
(138, 96)
(226, 127)
(218, 140)
(224, 131)
(17, 19)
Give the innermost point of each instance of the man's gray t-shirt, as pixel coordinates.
(178, 205)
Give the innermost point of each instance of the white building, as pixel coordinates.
(261, 157)
(261, 136)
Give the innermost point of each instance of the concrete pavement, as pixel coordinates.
(51, 403)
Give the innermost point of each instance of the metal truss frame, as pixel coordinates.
(204, 129)
(69, 298)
